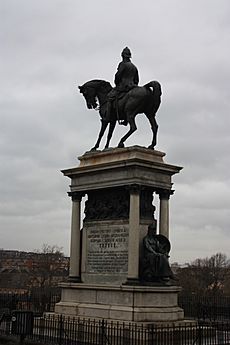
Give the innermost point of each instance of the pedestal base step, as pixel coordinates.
(121, 303)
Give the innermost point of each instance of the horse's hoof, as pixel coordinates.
(93, 149)
(151, 147)
(121, 145)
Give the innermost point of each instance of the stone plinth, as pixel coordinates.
(106, 254)
(119, 184)
(119, 167)
(121, 303)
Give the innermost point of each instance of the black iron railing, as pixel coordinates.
(210, 308)
(61, 330)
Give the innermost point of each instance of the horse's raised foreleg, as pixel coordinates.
(104, 125)
(154, 127)
(110, 133)
(132, 129)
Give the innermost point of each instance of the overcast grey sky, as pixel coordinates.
(48, 47)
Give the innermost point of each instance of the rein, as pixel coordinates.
(100, 104)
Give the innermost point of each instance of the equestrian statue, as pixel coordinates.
(123, 102)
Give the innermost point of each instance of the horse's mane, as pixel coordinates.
(99, 83)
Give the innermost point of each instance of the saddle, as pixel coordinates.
(118, 99)
(118, 108)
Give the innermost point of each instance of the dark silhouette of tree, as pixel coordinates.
(206, 276)
(48, 267)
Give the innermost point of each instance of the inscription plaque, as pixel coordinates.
(107, 250)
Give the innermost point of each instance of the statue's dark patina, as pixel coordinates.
(126, 79)
(124, 102)
(155, 266)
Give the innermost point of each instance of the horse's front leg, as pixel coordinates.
(104, 125)
(154, 127)
(110, 133)
(133, 128)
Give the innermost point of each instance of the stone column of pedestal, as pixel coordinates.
(134, 233)
(164, 196)
(75, 241)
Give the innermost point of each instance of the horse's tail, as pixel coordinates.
(154, 86)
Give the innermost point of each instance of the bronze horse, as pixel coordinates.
(145, 99)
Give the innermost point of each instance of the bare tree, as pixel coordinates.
(205, 276)
(49, 267)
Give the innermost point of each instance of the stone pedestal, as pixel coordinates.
(120, 185)
(121, 303)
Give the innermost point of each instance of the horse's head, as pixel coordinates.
(89, 94)
(95, 90)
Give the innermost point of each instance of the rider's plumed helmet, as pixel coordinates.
(126, 52)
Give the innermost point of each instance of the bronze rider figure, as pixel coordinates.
(126, 78)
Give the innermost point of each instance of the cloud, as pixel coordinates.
(49, 48)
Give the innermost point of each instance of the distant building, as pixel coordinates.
(22, 270)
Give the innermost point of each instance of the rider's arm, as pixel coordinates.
(149, 246)
(119, 73)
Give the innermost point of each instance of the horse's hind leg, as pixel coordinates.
(154, 127)
(104, 125)
(110, 133)
(132, 129)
